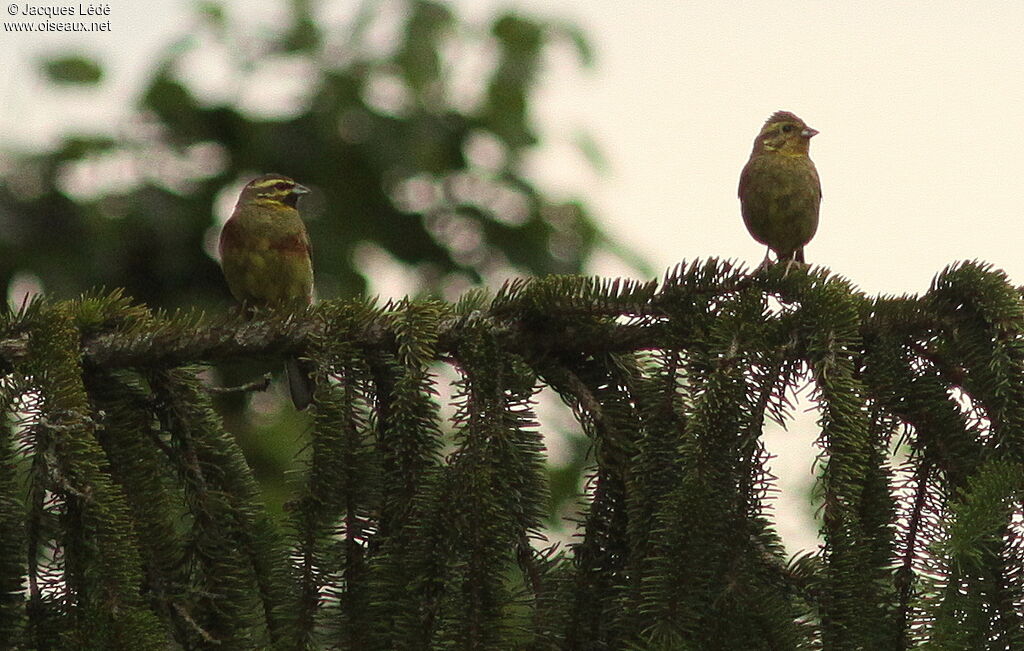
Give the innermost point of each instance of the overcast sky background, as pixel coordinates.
(920, 108)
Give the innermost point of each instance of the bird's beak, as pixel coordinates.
(809, 132)
(301, 189)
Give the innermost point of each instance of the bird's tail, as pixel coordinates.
(300, 381)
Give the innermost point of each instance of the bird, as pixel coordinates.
(780, 191)
(265, 256)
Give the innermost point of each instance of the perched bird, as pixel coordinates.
(264, 252)
(779, 188)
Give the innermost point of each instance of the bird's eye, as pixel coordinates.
(787, 128)
(282, 185)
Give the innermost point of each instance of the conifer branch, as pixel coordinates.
(406, 534)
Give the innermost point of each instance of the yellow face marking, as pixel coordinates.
(785, 137)
(273, 191)
(272, 201)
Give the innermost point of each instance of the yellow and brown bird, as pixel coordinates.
(265, 255)
(779, 188)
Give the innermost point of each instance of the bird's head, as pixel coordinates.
(784, 133)
(273, 189)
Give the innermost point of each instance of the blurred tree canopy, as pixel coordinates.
(410, 125)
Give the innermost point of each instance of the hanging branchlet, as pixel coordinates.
(495, 477)
(84, 567)
(128, 513)
(409, 570)
(333, 515)
(236, 578)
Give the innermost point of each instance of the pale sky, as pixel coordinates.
(921, 114)
(920, 108)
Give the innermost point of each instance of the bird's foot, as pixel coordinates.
(764, 265)
(794, 263)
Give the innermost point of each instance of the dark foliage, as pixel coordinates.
(144, 523)
(414, 145)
